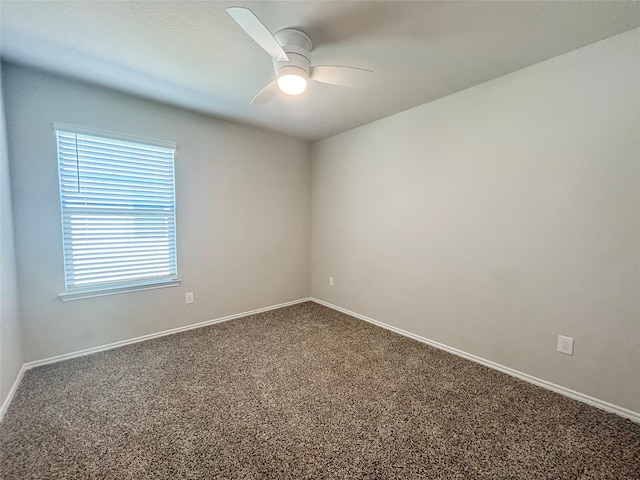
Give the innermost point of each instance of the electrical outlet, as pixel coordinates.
(331, 281)
(189, 298)
(565, 345)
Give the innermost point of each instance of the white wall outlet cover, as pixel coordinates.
(331, 281)
(565, 345)
(189, 297)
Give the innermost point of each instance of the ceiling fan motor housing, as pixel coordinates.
(297, 46)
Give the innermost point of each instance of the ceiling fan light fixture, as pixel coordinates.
(292, 84)
(290, 49)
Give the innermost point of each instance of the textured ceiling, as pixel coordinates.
(194, 55)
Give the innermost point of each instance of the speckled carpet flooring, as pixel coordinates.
(303, 392)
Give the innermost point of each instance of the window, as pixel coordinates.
(118, 212)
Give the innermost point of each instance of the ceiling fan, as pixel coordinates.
(290, 50)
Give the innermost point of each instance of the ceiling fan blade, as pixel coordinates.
(266, 94)
(256, 30)
(343, 76)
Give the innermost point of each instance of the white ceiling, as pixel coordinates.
(193, 54)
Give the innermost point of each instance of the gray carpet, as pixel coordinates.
(298, 393)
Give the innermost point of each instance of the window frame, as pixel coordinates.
(124, 286)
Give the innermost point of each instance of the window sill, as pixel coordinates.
(67, 297)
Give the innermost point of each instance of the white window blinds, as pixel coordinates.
(118, 213)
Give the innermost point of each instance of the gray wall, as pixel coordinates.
(10, 341)
(243, 212)
(496, 218)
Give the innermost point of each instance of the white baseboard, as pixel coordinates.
(609, 407)
(12, 392)
(110, 346)
(595, 402)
